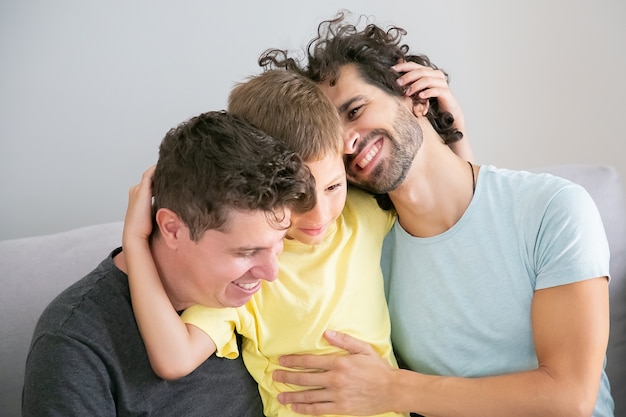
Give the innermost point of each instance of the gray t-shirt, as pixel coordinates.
(87, 359)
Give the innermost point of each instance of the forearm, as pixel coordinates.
(166, 337)
(531, 393)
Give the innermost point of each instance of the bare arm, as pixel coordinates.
(174, 348)
(570, 329)
(432, 83)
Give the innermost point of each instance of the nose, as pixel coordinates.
(267, 268)
(318, 215)
(350, 141)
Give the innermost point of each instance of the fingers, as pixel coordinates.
(418, 78)
(300, 403)
(349, 343)
(138, 219)
(320, 362)
(427, 86)
(312, 402)
(145, 185)
(146, 177)
(326, 362)
(303, 379)
(316, 409)
(335, 383)
(429, 83)
(146, 182)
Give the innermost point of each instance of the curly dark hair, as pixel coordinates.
(214, 163)
(372, 50)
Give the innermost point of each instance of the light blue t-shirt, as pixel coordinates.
(460, 301)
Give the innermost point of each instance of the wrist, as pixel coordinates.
(135, 243)
(409, 391)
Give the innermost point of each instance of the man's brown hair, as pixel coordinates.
(215, 163)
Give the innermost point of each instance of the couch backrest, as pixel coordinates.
(32, 272)
(604, 185)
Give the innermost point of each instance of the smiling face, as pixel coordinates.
(331, 188)
(225, 268)
(382, 135)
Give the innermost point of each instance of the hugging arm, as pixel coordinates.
(570, 329)
(175, 349)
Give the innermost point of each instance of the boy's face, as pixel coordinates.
(381, 136)
(331, 188)
(226, 268)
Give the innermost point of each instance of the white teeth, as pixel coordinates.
(248, 285)
(368, 158)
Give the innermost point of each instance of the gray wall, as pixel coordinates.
(88, 89)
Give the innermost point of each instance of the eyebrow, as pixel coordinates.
(252, 248)
(246, 249)
(341, 109)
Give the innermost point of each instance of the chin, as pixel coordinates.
(311, 240)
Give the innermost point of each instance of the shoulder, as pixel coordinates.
(532, 187)
(363, 206)
(358, 196)
(524, 178)
(85, 307)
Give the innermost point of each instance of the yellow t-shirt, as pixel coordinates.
(335, 285)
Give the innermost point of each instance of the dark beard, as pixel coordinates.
(386, 176)
(391, 172)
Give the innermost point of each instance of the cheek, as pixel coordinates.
(295, 221)
(337, 204)
(215, 271)
(337, 208)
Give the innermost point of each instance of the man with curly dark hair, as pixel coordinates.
(496, 280)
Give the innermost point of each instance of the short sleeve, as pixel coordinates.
(364, 206)
(52, 388)
(571, 244)
(219, 324)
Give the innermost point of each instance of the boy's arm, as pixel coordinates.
(174, 348)
(431, 83)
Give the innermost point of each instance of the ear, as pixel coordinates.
(417, 106)
(420, 107)
(170, 226)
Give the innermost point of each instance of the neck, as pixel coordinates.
(158, 253)
(437, 190)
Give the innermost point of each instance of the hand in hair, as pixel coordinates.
(429, 83)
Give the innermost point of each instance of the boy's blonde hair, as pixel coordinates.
(290, 107)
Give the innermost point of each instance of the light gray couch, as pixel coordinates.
(34, 270)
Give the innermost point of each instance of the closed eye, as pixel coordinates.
(334, 187)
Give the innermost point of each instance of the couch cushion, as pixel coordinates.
(33, 271)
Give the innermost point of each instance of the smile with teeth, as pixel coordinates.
(370, 155)
(247, 285)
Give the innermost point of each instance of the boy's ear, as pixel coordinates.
(170, 226)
